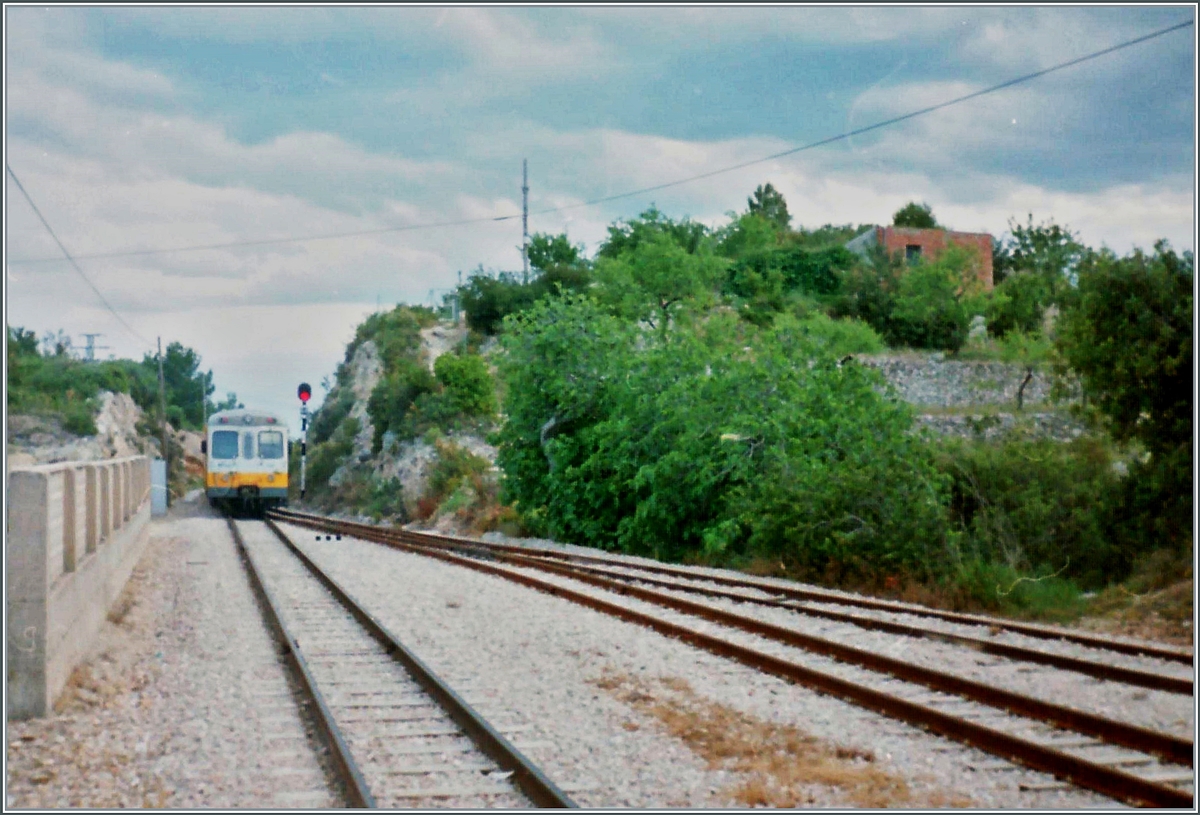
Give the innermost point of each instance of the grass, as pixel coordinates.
(779, 765)
(1156, 602)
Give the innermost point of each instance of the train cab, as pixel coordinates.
(246, 461)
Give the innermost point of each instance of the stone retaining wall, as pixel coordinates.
(931, 381)
(75, 530)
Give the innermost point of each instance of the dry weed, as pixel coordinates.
(782, 765)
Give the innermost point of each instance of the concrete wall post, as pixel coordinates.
(118, 514)
(91, 512)
(106, 525)
(71, 519)
(28, 530)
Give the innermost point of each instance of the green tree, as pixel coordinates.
(768, 203)
(1047, 250)
(717, 439)
(548, 252)
(936, 300)
(626, 236)
(915, 215)
(748, 235)
(1126, 333)
(21, 343)
(563, 359)
(868, 290)
(656, 278)
(230, 402)
(1017, 304)
(186, 386)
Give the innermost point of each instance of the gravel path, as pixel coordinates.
(184, 703)
(541, 658)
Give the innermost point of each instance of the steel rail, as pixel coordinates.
(1100, 670)
(1107, 780)
(1183, 656)
(526, 775)
(356, 786)
(1173, 749)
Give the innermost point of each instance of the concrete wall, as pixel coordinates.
(75, 531)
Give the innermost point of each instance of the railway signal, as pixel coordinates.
(305, 393)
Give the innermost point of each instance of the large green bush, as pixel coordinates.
(394, 396)
(1125, 335)
(935, 302)
(467, 384)
(1017, 304)
(701, 439)
(1037, 506)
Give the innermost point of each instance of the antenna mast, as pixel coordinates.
(525, 219)
(92, 348)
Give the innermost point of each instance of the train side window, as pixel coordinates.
(270, 444)
(224, 444)
(247, 445)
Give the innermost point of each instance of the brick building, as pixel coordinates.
(927, 243)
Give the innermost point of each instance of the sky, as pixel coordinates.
(142, 128)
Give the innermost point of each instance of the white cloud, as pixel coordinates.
(125, 167)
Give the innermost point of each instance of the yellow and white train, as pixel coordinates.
(246, 461)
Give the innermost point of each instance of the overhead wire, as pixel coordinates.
(86, 279)
(859, 131)
(643, 190)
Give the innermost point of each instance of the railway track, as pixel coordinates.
(1129, 763)
(398, 735)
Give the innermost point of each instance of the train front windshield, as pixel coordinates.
(225, 444)
(270, 444)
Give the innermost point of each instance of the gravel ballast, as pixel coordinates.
(538, 657)
(184, 703)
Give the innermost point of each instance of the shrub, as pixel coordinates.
(330, 415)
(328, 456)
(386, 500)
(936, 300)
(468, 384)
(1036, 506)
(1017, 304)
(79, 417)
(718, 438)
(1126, 334)
(393, 398)
(868, 290)
(840, 337)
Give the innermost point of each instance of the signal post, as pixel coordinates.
(305, 393)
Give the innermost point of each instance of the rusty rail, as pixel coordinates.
(1100, 670)
(356, 785)
(1115, 783)
(526, 775)
(1180, 655)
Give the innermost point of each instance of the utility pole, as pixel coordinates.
(525, 219)
(455, 316)
(162, 401)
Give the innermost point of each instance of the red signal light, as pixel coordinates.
(304, 392)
